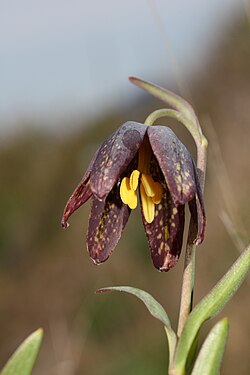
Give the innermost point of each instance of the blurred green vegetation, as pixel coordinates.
(46, 277)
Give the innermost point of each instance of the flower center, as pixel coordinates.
(150, 191)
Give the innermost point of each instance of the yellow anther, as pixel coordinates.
(148, 184)
(128, 196)
(148, 206)
(134, 179)
(150, 191)
(123, 189)
(158, 193)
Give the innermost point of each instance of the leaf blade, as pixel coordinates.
(210, 306)
(23, 359)
(154, 308)
(166, 96)
(210, 356)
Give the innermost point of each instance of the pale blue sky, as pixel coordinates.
(58, 57)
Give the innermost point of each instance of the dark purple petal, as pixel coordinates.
(106, 223)
(114, 156)
(175, 162)
(80, 195)
(78, 198)
(165, 233)
(197, 210)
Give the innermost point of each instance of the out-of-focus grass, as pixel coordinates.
(46, 277)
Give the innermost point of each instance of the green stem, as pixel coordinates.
(176, 116)
(187, 285)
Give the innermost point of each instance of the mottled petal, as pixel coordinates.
(197, 210)
(80, 195)
(165, 233)
(114, 156)
(106, 223)
(175, 162)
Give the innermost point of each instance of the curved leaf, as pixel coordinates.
(166, 96)
(209, 306)
(210, 357)
(183, 112)
(155, 309)
(23, 359)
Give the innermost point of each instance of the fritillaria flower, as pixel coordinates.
(149, 164)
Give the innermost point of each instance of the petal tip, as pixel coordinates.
(170, 262)
(198, 240)
(64, 223)
(167, 263)
(97, 262)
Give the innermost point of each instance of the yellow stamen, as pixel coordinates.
(158, 193)
(134, 179)
(128, 196)
(148, 184)
(150, 191)
(148, 206)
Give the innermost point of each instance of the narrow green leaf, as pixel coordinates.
(166, 96)
(155, 309)
(183, 112)
(23, 359)
(192, 355)
(209, 306)
(210, 357)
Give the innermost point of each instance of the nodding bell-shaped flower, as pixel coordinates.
(149, 163)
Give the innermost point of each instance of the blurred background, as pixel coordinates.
(64, 68)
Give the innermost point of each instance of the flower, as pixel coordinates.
(149, 162)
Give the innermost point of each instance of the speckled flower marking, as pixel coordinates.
(146, 162)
